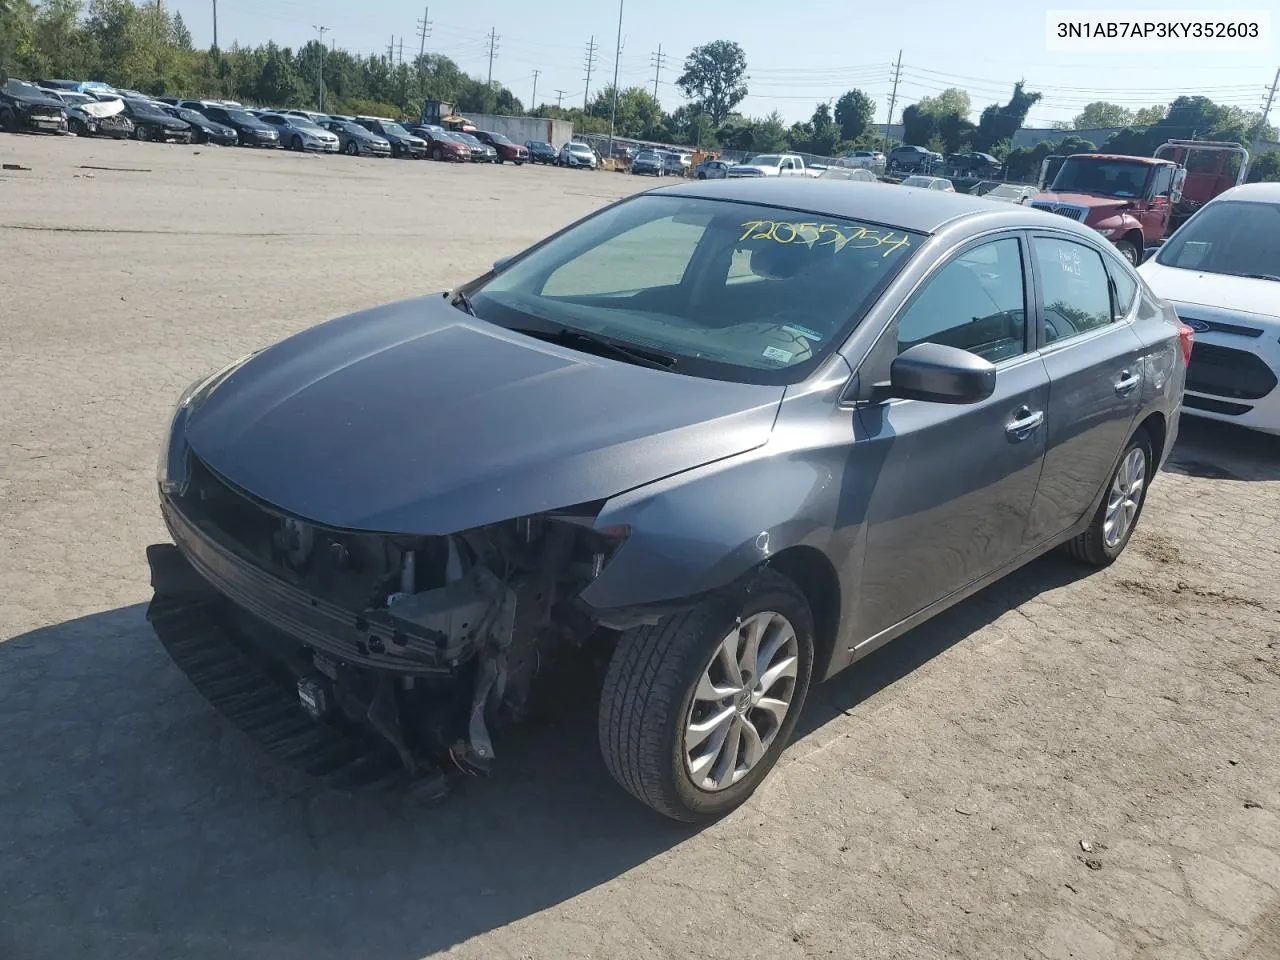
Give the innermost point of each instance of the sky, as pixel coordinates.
(798, 53)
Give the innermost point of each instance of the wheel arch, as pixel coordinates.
(812, 572)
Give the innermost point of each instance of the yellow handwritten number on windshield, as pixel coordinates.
(823, 235)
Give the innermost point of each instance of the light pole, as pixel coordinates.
(320, 69)
(617, 55)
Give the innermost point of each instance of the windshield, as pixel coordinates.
(647, 155)
(190, 116)
(1232, 237)
(498, 138)
(394, 129)
(303, 124)
(1108, 178)
(539, 145)
(23, 89)
(579, 148)
(239, 116)
(732, 291)
(148, 110)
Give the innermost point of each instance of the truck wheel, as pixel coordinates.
(1129, 251)
(697, 709)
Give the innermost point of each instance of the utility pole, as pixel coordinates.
(215, 24)
(1271, 95)
(391, 50)
(591, 62)
(320, 32)
(533, 101)
(424, 31)
(659, 60)
(617, 57)
(560, 97)
(400, 52)
(893, 99)
(493, 39)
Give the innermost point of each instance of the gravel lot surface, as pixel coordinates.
(1064, 766)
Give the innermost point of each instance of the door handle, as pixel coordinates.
(1026, 422)
(1126, 382)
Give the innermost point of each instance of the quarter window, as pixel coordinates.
(977, 302)
(1125, 286)
(1077, 296)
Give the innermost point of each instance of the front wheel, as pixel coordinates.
(1118, 514)
(1128, 251)
(351, 150)
(697, 709)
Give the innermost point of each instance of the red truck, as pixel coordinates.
(1136, 201)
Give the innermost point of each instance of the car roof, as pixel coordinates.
(909, 208)
(1254, 192)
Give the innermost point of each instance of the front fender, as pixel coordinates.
(1119, 225)
(701, 530)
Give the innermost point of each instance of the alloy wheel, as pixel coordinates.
(741, 701)
(1124, 497)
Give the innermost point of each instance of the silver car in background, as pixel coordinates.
(301, 133)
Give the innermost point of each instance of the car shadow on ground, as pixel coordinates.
(137, 822)
(1221, 451)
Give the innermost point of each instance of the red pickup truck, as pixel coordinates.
(1136, 201)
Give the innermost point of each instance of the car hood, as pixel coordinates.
(416, 418)
(1218, 290)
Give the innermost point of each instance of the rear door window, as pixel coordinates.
(1074, 287)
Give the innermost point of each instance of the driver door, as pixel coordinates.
(957, 482)
(1158, 210)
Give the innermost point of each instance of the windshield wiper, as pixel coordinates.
(577, 338)
(460, 299)
(1261, 276)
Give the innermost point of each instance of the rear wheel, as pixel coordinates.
(296, 144)
(435, 153)
(351, 149)
(1118, 514)
(697, 709)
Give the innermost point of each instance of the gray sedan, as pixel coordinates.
(301, 134)
(733, 436)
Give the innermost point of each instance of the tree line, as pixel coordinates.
(145, 47)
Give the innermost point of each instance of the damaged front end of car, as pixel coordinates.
(404, 649)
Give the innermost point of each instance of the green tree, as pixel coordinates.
(952, 100)
(1099, 114)
(1265, 168)
(638, 112)
(854, 113)
(1145, 116)
(1001, 121)
(713, 77)
(919, 126)
(179, 35)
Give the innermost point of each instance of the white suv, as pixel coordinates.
(1221, 272)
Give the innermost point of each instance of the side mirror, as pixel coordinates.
(936, 373)
(501, 262)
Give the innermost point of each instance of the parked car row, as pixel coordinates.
(91, 109)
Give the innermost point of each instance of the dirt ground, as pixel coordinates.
(1065, 766)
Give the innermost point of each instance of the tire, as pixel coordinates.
(1092, 546)
(351, 150)
(435, 153)
(1127, 250)
(6, 121)
(77, 127)
(140, 133)
(649, 695)
(702, 176)
(296, 144)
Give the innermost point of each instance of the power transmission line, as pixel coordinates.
(560, 97)
(659, 59)
(893, 99)
(533, 101)
(493, 41)
(591, 62)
